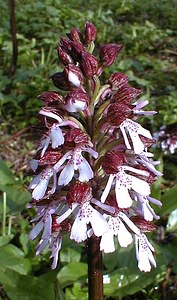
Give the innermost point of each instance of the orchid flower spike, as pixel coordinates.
(93, 170)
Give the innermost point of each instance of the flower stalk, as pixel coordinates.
(93, 170)
(4, 214)
(95, 269)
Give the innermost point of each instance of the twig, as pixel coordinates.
(170, 51)
(13, 65)
(4, 214)
(165, 282)
(15, 135)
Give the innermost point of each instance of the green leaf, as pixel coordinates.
(78, 291)
(13, 258)
(167, 254)
(127, 279)
(6, 174)
(25, 287)
(17, 197)
(25, 242)
(127, 257)
(59, 294)
(111, 261)
(127, 282)
(69, 254)
(169, 201)
(4, 240)
(71, 273)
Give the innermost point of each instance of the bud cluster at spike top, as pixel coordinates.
(93, 170)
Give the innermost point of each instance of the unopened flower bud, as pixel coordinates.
(142, 224)
(59, 80)
(108, 54)
(73, 75)
(60, 228)
(77, 48)
(90, 32)
(117, 81)
(79, 192)
(88, 64)
(51, 98)
(126, 94)
(76, 100)
(65, 44)
(112, 160)
(50, 158)
(64, 56)
(117, 113)
(75, 35)
(78, 137)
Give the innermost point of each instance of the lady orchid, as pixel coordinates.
(93, 169)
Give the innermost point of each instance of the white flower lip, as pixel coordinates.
(54, 136)
(144, 253)
(75, 106)
(76, 162)
(74, 79)
(40, 183)
(117, 228)
(87, 214)
(133, 129)
(123, 184)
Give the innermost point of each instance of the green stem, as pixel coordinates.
(59, 294)
(95, 94)
(100, 92)
(101, 109)
(4, 214)
(108, 146)
(91, 47)
(97, 129)
(9, 225)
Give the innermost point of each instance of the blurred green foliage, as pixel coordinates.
(147, 29)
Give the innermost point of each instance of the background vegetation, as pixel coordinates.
(147, 29)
